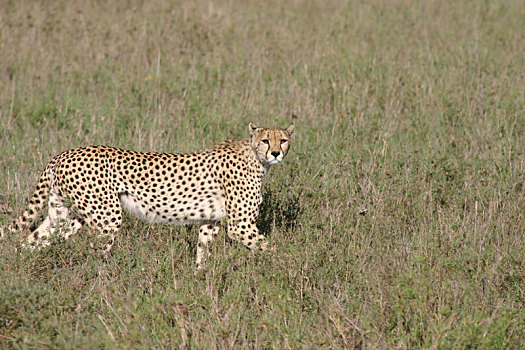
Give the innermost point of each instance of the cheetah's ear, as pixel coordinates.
(290, 130)
(253, 128)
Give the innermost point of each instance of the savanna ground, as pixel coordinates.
(397, 217)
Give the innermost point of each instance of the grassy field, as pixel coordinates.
(398, 216)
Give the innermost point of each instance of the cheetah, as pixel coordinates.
(92, 185)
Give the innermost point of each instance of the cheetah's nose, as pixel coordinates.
(276, 153)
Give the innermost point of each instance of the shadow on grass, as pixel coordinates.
(278, 209)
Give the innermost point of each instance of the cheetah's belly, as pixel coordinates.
(204, 209)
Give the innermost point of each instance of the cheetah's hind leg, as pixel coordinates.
(57, 221)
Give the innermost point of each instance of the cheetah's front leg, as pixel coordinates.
(207, 234)
(242, 213)
(247, 233)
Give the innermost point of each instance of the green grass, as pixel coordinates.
(397, 217)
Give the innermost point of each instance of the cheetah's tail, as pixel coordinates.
(36, 203)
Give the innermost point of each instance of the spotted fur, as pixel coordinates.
(95, 183)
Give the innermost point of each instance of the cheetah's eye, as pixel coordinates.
(283, 141)
(265, 141)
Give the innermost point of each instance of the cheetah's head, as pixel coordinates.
(271, 144)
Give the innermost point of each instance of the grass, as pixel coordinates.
(397, 217)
